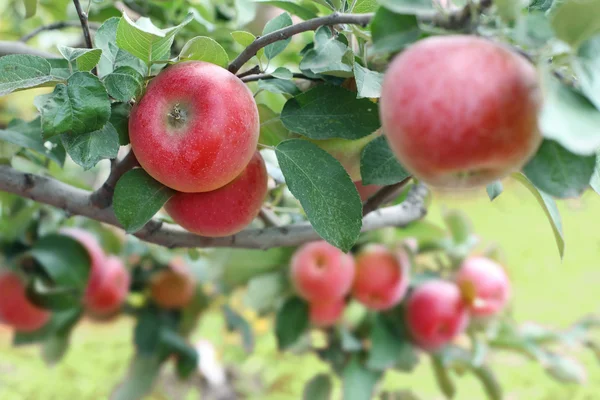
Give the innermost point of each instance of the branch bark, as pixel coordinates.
(252, 78)
(7, 47)
(79, 202)
(384, 195)
(103, 196)
(56, 26)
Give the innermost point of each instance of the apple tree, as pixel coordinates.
(289, 147)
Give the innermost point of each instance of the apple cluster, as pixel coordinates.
(196, 130)
(104, 295)
(435, 311)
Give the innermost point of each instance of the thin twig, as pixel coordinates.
(76, 201)
(8, 47)
(258, 77)
(85, 27)
(55, 26)
(102, 197)
(251, 71)
(384, 195)
(269, 217)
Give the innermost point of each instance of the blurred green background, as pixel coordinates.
(546, 290)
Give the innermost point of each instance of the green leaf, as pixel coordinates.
(63, 259)
(575, 21)
(29, 136)
(328, 56)
(61, 323)
(412, 7)
(318, 388)
(282, 86)
(187, 356)
(20, 71)
(291, 7)
(442, 377)
(324, 189)
(368, 83)
(242, 37)
(459, 226)
(85, 59)
(202, 48)
(79, 107)
(89, 148)
(365, 6)
(494, 189)
(279, 22)
(349, 342)
(388, 347)
(112, 56)
(124, 83)
(565, 369)
(595, 180)
(137, 198)
(379, 166)
(587, 68)
(263, 291)
(236, 322)
(140, 379)
(569, 118)
(146, 41)
(490, 384)
(51, 297)
(30, 8)
(533, 30)
(272, 131)
(119, 118)
(358, 382)
(549, 207)
(540, 5)
(326, 112)
(508, 10)
(282, 73)
(559, 172)
(392, 32)
(54, 349)
(146, 334)
(291, 322)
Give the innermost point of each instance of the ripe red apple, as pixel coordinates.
(196, 127)
(366, 191)
(224, 211)
(460, 111)
(15, 308)
(321, 272)
(108, 295)
(325, 314)
(488, 283)
(435, 314)
(173, 287)
(97, 256)
(381, 277)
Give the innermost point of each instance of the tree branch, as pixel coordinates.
(102, 197)
(7, 48)
(55, 26)
(257, 77)
(284, 33)
(269, 217)
(83, 17)
(78, 202)
(384, 195)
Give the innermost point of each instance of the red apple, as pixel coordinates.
(321, 272)
(15, 308)
(488, 283)
(436, 314)
(224, 211)
(196, 127)
(97, 256)
(107, 297)
(326, 314)
(366, 191)
(173, 287)
(460, 111)
(381, 277)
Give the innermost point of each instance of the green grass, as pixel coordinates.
(546, 290)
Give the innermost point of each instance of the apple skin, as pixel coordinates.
(366, 191)
(96, 253)
(489, 283)
(224, 211)
(107, 297)
(15, 308)
(347, 152)
(326, 314)
(196, 127)
(173, 287)
(382, 277)
(321, 273)
(460, 111)
(436, 314)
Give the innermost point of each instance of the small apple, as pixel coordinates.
(436, 314)
(321, 273)
(196, 127)
(487, 285)
(173, 287)
(107, 297)
(460, 111)
(96, 253)
(15, 308)
(326, 314)
(224, 211)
